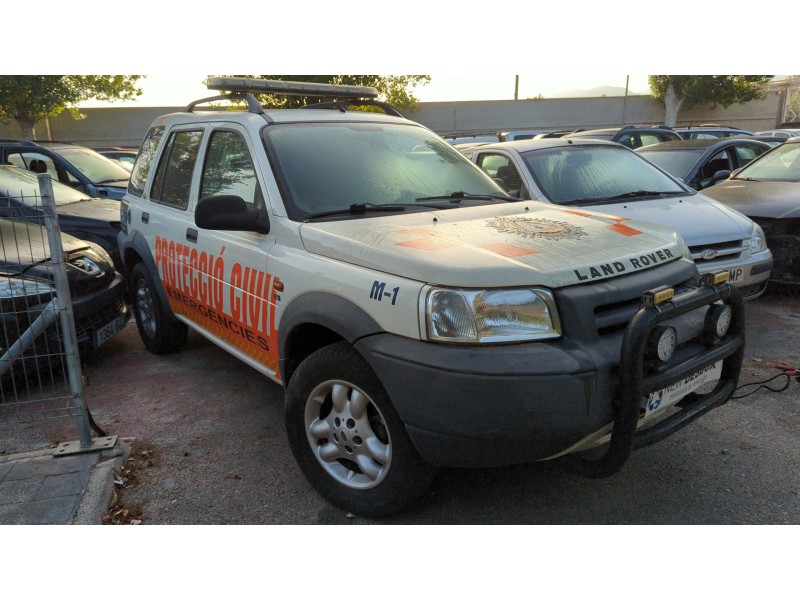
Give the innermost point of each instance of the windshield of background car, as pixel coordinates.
(331, 166)
(96, 167)
(782, 163)
(677, 162)
(572, 173)
(22, 186)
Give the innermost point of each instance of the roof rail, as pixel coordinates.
(22, 141)
(253, 105)
(343, 104)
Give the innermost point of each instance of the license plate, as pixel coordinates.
(109, 330)
(671, 394)
(735, 275)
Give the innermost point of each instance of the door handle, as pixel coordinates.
(191, 235)
(145, 217)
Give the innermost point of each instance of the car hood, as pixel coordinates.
(25, 244)
(515, 244)
(765, 199)
(97, 209)
(699, 220)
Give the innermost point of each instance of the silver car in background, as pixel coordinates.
(610, 178)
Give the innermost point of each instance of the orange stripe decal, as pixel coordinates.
(624, 229)
(428, 244)
(508, 250)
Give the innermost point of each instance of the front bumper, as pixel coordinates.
(749, 276)
(498, 405)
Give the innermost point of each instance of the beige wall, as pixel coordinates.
(127, 126)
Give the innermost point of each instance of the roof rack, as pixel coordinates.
(289, 88)
(244, 87)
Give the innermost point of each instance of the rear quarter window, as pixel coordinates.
(173, 178)
(144, 160)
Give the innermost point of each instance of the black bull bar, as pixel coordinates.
(635, 384)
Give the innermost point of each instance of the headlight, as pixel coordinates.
(18, 287)
(758, 242)
(491, 316)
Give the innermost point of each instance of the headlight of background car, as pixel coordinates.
(491, 316)
(758, 242)
(29, 291)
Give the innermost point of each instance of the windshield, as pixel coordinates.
(782, 163)
(677, 162)
(572, 173)
(22, 186)
(325, 167)
(96, 167)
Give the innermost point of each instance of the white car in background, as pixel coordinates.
(608, 177)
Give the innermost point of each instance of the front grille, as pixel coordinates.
(85, 326)
(722, 252)
(598, 310)
(92, 322)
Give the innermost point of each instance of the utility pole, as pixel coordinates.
(516, 87)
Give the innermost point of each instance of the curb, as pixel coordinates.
(97, 497)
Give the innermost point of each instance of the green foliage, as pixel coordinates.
(713, 90)
(397, 90)
(793, 108)
(31, 98)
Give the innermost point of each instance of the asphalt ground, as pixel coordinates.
(207, 447)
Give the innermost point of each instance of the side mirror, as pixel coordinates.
(230, 213)
(720, 176)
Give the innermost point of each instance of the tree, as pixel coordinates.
(397, 90)
(30, 98)
(677, 91)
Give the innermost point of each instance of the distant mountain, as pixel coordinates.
(598, 92)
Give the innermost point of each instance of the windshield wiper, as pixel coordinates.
(457, 197)
(109, 181)
(641, 193)
(357, 209)
(579, 201)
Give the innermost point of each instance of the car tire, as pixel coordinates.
(160, 331)
(347, 437)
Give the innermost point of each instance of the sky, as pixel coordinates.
(178, 90)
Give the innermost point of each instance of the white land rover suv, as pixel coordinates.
(415, 314)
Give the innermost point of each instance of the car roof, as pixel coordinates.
(526, 145)
(282, 115)
(614, 130)
(710, 127)
(700, 144)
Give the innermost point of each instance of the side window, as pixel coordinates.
(647, 139)
(746, 153)
(228, 168)
(721, 161)
(173, 177)
(501, 167)
(33, 161)
(492, 162)
(629, 140)
(144, 159)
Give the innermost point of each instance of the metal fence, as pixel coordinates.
(40, 374)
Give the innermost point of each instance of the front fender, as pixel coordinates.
(134, 249)
(320, 311)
